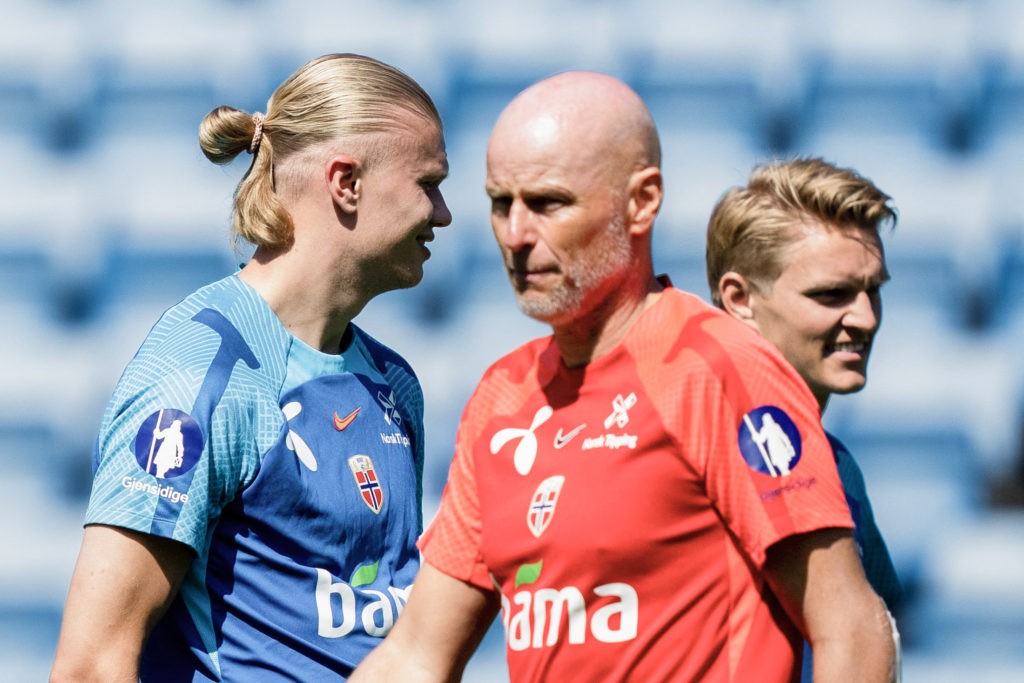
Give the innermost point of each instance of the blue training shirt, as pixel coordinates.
(295, 476)
(874, 554)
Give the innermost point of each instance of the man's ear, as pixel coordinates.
(736, 291)
(344, 182)
(645, 195)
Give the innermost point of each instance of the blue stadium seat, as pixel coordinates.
(904, 66)
(1001, 157)
(464, 191)
(972, 603)
(498, 49)
(709, 65)
(176, 63)
(41, 539)
(51, 398)
(999, 60)
(46, 226)
(164, 212)
(45, 81)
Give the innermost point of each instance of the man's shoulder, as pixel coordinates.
(525, 358)
(838, 447)
(513, 378)
(379, 353)
(220, 304)
(710, 332)
(218, 326)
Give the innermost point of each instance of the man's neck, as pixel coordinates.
(596, 333)
(305, 299)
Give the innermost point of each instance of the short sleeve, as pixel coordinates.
(767, 465)
(172, 449)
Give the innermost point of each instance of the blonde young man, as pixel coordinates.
(612, 490)
(796, 254)
(279, 543)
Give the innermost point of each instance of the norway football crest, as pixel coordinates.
(367, 481)
(542, 505)
(769, 441)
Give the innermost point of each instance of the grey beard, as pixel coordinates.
(610, 254)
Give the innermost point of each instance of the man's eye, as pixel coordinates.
(500, 205)
(834, 295)
(543, 204)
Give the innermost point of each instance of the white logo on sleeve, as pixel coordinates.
(168, 444)
(769, 441)
(526, 451)
(171, 453)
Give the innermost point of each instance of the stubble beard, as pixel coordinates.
(610, 254)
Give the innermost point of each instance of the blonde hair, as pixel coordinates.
(750, 226)
(331, 97)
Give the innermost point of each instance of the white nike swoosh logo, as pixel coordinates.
(562, 439)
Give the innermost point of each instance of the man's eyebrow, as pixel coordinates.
(439, 168)
(547, 192)
(435, 175)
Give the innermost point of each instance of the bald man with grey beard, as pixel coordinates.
(606, 492)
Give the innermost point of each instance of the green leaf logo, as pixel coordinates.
(528, 573)
(365, 575)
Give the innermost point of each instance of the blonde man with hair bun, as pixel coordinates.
(279, 544)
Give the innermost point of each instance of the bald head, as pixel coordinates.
(597, 119)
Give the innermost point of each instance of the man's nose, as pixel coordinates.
(865, 312)
(519, 229)
(442, 215)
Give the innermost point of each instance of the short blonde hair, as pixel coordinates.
(331, 97)
(751, 225)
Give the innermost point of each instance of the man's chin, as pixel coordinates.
(540, 308)
(533, 309)
(848, 386)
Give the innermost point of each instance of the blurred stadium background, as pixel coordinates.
(109, 213)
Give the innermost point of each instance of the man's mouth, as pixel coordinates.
(858, 347)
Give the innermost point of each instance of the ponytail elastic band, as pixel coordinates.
(257, 134)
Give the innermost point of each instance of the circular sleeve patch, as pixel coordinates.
(169, 443)
(769, 441)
